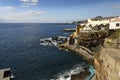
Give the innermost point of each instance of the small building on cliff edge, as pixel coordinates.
(114, 23)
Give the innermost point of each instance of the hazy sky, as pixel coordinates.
(56, 10)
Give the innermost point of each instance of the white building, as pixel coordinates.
(115, 23)
(98, 22)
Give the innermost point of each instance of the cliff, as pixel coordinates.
(100, 47)
(107, 64)
(107, 60)
(92, 39)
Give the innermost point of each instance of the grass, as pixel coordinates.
(115, 34)
(109, 43)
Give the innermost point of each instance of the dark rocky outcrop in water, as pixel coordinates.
(81, 75)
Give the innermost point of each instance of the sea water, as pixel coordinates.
(20, 50)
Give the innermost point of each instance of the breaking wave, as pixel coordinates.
(53, 41)
(66, 75)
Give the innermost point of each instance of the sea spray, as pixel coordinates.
(66, 75)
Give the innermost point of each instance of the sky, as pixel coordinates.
(55, 11)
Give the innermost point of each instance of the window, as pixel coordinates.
(117, 24)
(6, 74)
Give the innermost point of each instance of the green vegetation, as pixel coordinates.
(109, 43)
(115, 35)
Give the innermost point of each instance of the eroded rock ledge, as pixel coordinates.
(107, 64)
(107, 60)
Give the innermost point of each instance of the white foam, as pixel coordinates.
(45, 39)
(66, 75)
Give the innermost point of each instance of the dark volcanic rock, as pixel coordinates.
(91, 39)
(80, 76)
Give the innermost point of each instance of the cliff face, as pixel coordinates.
(91, 39)
(107, 60)
(107, 52)
(107, 64)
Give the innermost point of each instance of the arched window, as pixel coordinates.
(117, 24)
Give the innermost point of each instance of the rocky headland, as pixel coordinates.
(101, 48)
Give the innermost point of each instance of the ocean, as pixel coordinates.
(20, 50)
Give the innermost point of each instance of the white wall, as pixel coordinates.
(113, 25)
(98, 22)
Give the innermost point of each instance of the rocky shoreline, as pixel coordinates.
(82, 51)
(95, 47)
